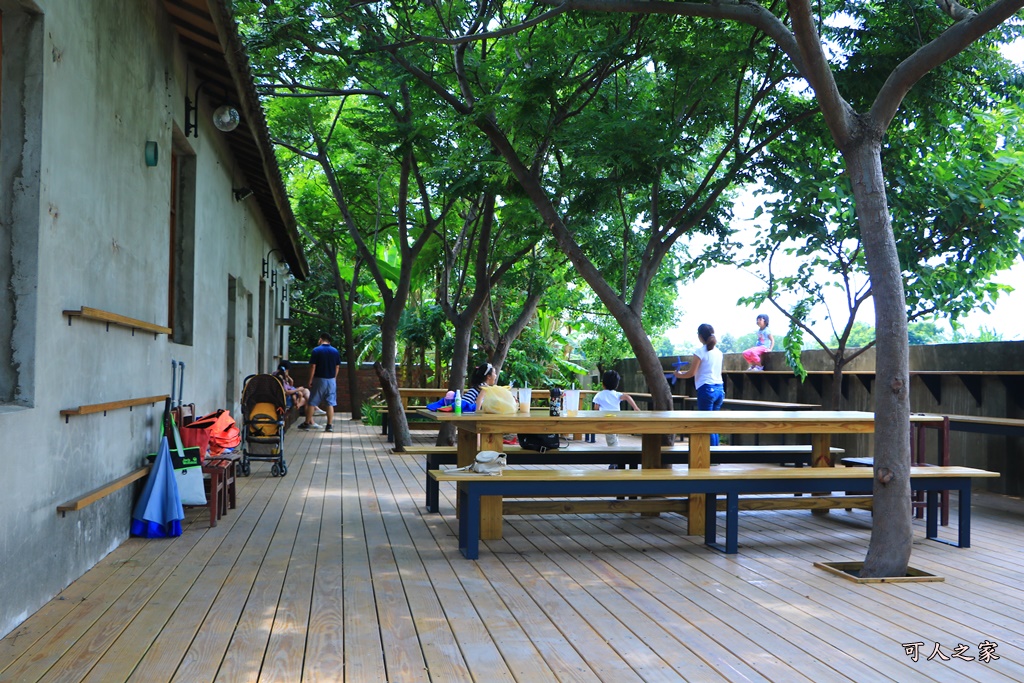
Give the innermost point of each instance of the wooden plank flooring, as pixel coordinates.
(336, 573)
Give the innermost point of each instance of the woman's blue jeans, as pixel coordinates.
(711, 397)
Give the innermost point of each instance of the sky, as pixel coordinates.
(712, 297)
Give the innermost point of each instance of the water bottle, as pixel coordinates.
(458, 402)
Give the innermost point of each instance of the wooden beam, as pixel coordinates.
(101, 492)
(113, 405)
(116, 319)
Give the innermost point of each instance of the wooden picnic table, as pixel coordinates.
(748, 404)
(652, 426)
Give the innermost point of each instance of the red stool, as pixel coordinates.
(228, 471)
(214, 490)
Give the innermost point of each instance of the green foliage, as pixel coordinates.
(371, 416)
(793, 345)
(728, 343)
(982, 335)
(746, 341)
(926, 333)
(663, 346)
(533, 361)
(954, 177)
(861, 335)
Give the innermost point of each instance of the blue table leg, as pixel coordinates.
(965, 514)
(732, 523)
(469, 522)
(931, 521)
(710, 514)
(932, 525)
(433, 486)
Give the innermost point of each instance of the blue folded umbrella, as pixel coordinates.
(159, 513)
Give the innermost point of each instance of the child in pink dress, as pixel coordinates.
(765, 343)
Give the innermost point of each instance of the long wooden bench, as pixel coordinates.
(728, 481)
(624, 456)
(414, 425)
(981, 424)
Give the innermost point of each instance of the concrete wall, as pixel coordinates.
(971, 393)
(111, 78)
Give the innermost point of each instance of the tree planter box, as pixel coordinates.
(851, 572)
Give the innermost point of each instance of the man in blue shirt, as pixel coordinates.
(324, 363)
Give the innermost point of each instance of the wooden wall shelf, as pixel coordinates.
(103, 491)
(113, 405)
(115, 319)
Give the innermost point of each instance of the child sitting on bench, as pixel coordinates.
(610, 399)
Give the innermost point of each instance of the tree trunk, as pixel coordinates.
(352, 362)
(354, 395)
(836, 394)
(457, 379)
(892, 534)
(650, 363)
(385, 368)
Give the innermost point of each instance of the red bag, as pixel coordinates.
(221, 429)
(197, 437)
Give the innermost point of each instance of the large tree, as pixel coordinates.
(959, 175)
(858, 130)
(624, 140)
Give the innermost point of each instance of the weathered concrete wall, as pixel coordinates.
(972, 393)
(113, 78)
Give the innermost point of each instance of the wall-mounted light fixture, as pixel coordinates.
(225, 117)
(266, 264)
(152, 153)
(241, 193)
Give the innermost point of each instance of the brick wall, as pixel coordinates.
(367, 377)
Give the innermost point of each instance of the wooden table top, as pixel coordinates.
(767, 405)
(718, 472)
(668, 422)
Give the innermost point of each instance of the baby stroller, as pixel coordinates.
(263, 408)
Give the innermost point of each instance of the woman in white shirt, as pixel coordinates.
(706, 367)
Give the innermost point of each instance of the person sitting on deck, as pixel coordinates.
(298, 396)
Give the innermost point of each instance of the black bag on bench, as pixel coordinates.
(539, 442)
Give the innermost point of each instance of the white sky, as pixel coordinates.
(712, 297)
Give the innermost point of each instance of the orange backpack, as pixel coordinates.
(224, 433)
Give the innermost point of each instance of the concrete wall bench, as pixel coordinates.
(730, 482)
(798, 455)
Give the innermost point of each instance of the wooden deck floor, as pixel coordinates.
(335, 572)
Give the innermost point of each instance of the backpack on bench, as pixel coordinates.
(539, 442)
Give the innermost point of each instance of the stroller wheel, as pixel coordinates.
(275, 470)
(284, 469)
(246, 468)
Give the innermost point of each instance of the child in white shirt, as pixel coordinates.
(610, 399)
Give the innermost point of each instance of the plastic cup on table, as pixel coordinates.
(525, 394)
(571, 401)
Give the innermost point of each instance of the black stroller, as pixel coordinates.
(263, 408)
